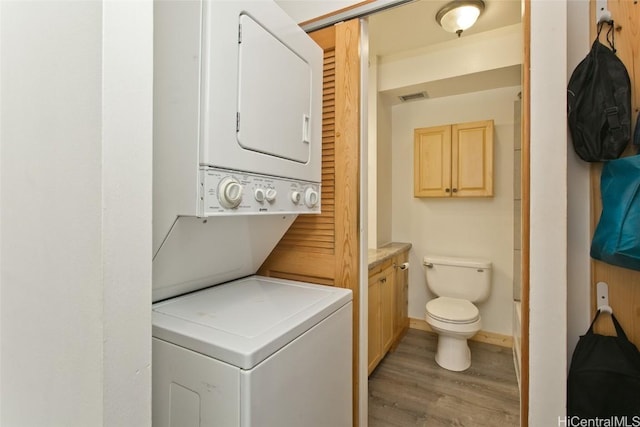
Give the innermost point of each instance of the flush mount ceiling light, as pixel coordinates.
(459, 15)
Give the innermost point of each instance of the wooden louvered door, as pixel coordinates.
(324, 248)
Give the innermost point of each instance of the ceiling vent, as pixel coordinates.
(413, 96)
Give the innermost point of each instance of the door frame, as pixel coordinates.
(369, 7)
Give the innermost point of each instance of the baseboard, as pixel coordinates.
(482, 336)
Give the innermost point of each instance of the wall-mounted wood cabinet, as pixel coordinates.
(454, 160)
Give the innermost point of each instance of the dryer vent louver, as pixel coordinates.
(414, 96)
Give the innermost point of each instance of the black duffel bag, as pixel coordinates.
(604, 377)
(599, 103)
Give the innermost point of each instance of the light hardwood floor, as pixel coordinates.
(408, 388)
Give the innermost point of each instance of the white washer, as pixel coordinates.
(254, 352)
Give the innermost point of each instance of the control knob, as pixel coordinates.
(310, 197)
(295, 197)
(258, 194)
(271, 194)
(230, 192)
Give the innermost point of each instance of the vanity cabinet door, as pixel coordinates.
(382, 305)
(387, 308)
(375, 337)
(401, 285)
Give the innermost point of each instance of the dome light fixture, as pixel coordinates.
(459, 15)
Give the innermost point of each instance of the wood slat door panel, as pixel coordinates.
(324, 248)
(314, 233)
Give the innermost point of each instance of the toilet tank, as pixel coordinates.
(465, 278)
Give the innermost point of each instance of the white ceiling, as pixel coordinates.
(414, 25)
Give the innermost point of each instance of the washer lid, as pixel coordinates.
(245, 321)
(453, 310)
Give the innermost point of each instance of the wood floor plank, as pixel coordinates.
(408, 388)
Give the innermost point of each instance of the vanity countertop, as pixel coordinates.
(378, 256)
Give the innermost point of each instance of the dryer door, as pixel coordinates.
(274, 95)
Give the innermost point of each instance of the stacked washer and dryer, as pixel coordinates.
(237, 157)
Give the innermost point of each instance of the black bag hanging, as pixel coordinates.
(599, 103)
(604, 377)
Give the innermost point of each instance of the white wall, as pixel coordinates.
(478, 227)
(548, 213)
(385, 175)
(372, 153)
(379, 173)
(51, 214)
(75, 213)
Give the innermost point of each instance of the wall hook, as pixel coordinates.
(602, 293)
(602, 12)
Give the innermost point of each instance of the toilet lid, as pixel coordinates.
(453, 310)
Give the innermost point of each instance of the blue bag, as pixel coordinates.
(616, 240)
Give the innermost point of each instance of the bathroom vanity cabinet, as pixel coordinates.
(388, 298)
(454, 160)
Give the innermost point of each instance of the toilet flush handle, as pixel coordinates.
(428, 265)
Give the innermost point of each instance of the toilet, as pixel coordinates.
(457, 283)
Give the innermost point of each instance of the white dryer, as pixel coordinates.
(237, 141)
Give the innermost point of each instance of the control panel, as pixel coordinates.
(227, 192)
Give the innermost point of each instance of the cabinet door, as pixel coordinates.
(387, 308)
(472, 159)
(401, 285)
(375, 344)
(432, 162)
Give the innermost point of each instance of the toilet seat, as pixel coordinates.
(452, 310)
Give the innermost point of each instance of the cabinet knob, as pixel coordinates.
(455, 190)
(447, 190)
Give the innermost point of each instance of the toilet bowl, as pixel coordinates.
(455, 321)
(457, 284)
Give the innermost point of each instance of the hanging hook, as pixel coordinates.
(602, 293)
(602, 12)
